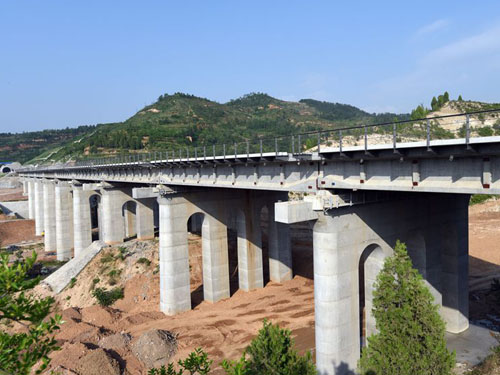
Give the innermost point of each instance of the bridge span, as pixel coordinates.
(358, 199)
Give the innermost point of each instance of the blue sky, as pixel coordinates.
(68, 63)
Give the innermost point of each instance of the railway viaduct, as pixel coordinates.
(358, 200)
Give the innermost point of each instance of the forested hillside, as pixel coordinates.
(181, 120)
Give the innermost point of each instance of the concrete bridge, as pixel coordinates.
(358, 199)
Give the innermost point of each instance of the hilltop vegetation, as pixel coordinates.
(180, 120)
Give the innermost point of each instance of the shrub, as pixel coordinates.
(72, 282)
(145, 261)
(411, 332)
(197, 363)
(19, 352)
(485, 131)
(107, 258)
(271, 352)
(107, 297)
(479, 198)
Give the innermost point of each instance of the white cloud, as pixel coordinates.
(432, 27)
(467, 65)
(487, 42)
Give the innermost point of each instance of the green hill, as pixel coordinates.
(182, 120)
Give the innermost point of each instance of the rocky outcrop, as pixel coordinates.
(155, 348)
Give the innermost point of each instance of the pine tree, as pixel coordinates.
(410, 338)
(460, 98)
(434, 104)
(271, 353)
(446, 96)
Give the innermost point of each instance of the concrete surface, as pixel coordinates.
(62, 277)
(19, 208)
(472, 345)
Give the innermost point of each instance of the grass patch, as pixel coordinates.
(145, 261)
(107, 297)
(107, 258)
(122, 253)
(490, 365)
(479, 198)
(72, 282)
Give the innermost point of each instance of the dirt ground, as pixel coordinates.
(13, 231)
(9, 195)
(225, 328)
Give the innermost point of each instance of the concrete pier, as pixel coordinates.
(81, 219)
(31, 199)
(113, 228)
(215, 259)
(250, 267)
(455, 264)
(64, 220)
(145, 219)
(335, 299)
(39, 227)
(280, 250)
(49, 215)
(175, 293)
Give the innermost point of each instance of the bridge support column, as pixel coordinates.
(25, 187)
(49, 215)
(455, 264)
(113, 229)
(250, 270)
(280, 250)
(336, 298)
(64, 221)
(31, 199)
(175, 295)
(81, 219)
(215, 259)
(38, 207)
(145, 219)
